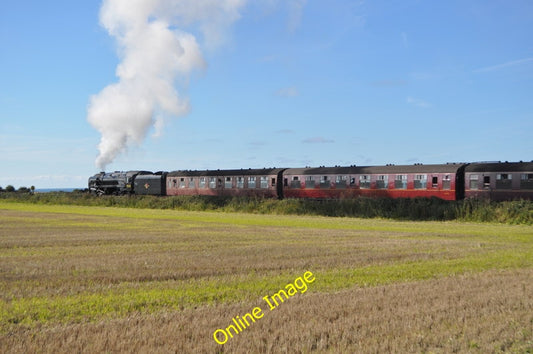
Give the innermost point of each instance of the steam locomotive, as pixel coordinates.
(451, 181)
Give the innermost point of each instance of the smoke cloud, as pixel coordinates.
(156, 53)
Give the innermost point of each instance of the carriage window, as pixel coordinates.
(174, 183)
(182, 182)
(526, 181)
(382, 182)
(295, 183)
(212, 182)
(240, 182)
(446, 182)
(324, 182)
(473, 181)
(340, 182)
(251, 182)
(202, 182)
(229, 183)
(364, 182)
(421, 181)
(264, 182)
(400, 182)
(191, 183)
(504, 181)
(273, 182)
(309, 182)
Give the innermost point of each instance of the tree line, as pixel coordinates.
(11, 189)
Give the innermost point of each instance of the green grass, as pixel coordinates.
(191, 217)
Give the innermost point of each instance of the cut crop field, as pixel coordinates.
(97, 279)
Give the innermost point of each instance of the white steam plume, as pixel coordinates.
(154, 54)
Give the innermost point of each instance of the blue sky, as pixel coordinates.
(285, 84)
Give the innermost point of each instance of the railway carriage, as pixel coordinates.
(499, 181)
(251, 182)
(442, 181)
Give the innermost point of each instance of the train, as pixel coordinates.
(451, 181)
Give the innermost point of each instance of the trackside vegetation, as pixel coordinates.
(417, 209)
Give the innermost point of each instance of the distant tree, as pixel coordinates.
(23, 190)
(10, 188)
(32, 189)
(1, 189)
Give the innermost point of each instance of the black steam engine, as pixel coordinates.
(129, 182)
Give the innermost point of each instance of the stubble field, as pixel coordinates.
(92, 279)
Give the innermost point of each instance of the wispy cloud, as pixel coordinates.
(41, 148)
(318, 140)
(257, 144)
(288, 92)
(296, 8)
(405, 41)
(417, 102)
(45, 181)
(285, 131)
(423, 76)
(504, 65)
(388, 83)
(267, 58)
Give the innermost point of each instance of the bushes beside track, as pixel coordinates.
(511, 212)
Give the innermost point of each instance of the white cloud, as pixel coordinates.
(389, 83)
(45, 181)
(418, 102)
(285, 131)
(318, 140)
(296, 8)
(257, 144)
(405, 41)
(288, 92)
(504, 65)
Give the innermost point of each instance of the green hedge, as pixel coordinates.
(511, 212)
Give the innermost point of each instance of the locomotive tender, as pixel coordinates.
(452, 181)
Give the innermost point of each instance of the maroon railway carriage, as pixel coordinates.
(442, 181)
(499, 180)
(251, 182)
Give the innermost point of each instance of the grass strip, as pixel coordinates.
(157, 296)
(313, 222)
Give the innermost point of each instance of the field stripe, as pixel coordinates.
(155, 296)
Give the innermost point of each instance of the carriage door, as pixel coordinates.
(435, 182)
